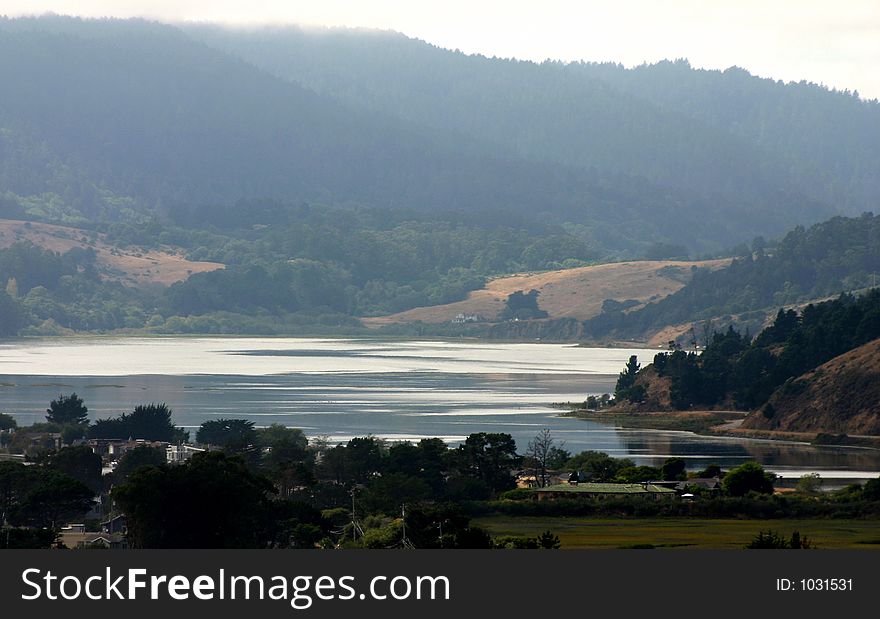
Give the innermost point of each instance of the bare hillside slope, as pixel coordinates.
(571, 293)
(841, 396)
(131, 266)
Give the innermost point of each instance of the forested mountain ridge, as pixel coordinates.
(711, 132)
(159, 118)
(126, 120)
(114, 118)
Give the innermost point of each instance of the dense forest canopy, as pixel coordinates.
(713, 132)
(82, 141)
(378, 119)
(38, 286)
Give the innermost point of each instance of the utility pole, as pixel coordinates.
(404, 541)
(355, 527)
(353, 521)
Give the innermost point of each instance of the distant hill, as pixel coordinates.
(841, 396)
(838, 255)
(577, 293)
(123, 120)
(787, 153)
(131, 266)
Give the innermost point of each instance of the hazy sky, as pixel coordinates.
(836, 43)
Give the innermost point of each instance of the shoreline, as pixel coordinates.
(359, 335)
(718, 423)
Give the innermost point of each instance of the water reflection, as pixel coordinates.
(786, 458)
(399, 390)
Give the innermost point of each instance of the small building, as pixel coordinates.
(664, 483)
(112, 449)
(603, 491)
(177, 454)
(710, 484)
(524, 480)
(39, 440)
(466, 318)
(115, 525)
(103, 541)
(75, 538)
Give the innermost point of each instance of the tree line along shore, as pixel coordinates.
(237, 485)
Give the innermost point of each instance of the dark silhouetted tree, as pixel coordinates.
(140, 456)
(489, 457)
(748, 477)
(673, 469)
(223, 432)
(67, 410)
(80, 463)
(522, 306)
(626, 380)
(548, 541)
(151, 422)
(212, 501)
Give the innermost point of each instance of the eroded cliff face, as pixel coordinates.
(841, 396)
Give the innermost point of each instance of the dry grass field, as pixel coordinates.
(571, 293)
(132, 267)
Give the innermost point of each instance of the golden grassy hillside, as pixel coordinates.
(571, 293)
(131, 266)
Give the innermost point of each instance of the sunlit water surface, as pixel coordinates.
(400, 390)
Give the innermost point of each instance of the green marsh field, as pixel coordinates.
(683, 533)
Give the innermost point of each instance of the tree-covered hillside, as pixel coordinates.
(63, 291)
(362, 262)
(143, 112)
(780, 151)
(122, 120)
(119, 120)
(839, 255)
(301, 268)
(733, 370)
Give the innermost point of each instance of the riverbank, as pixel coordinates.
(698, 422)
(715, 423)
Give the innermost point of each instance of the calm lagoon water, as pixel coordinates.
(400, 390)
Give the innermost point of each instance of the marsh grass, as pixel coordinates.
(682, 533)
